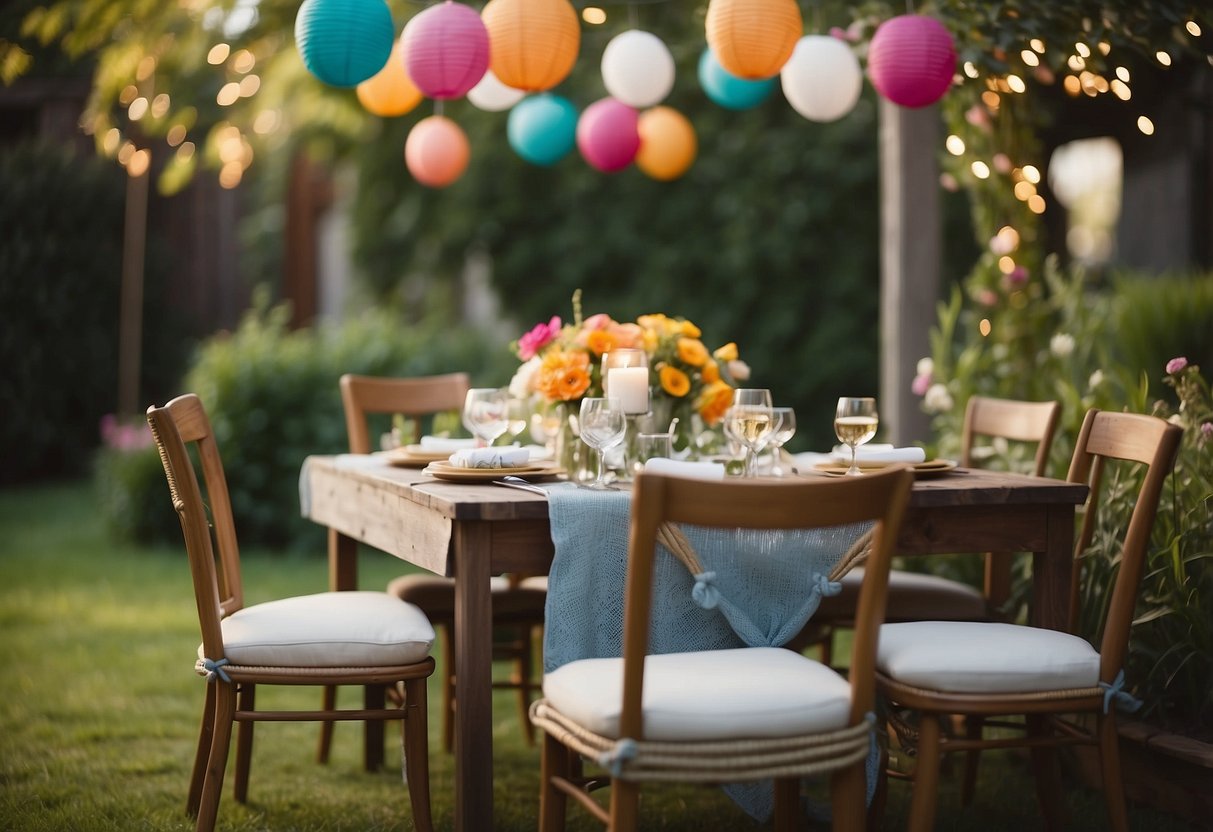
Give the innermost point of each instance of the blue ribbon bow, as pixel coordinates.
(824, 586)
(705, 592)
(215, 669)
(613, 760)
(1125, 701)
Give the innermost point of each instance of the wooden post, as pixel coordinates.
(130, 314)
(909, 261)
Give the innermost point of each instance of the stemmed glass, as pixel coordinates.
(785, 429)
(855, 423)
(485, 413)
(518, 417)
(603, 425)
(750, 420)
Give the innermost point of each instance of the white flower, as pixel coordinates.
(1095, 380)
(520, 384)
(937, 399)
(926, 367)
(1061, 345)
(739, 370)
(1176, 419)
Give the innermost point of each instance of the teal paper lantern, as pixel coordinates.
(542, 128)
(729, 91)
(344, 42)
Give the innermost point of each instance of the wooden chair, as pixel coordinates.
(362, 638)
(986, 669)
(518, 604)
(915, 596)
(781, 715)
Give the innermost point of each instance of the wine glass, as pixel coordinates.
(786, 429)
(602, 426)
(855, 423)
(485, 413)
(750, 420)
(518, 417)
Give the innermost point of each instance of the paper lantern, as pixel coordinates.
(667, 143)
(607, 135)
(543, 128)
(911, 60)
(436, 151)
(390, 92)
(344, 42)
(446, 50)
(728, 90)
(533, 43)
(753, 38)
(637, 68)
(492, 95)
(822, 80)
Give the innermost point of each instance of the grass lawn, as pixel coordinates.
(99, 707)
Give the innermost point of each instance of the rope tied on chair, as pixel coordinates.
(1115, 692)
(705, 593)
(212, 669)
(623, 751)
(824, 586)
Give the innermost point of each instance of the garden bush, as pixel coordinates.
(273, 399)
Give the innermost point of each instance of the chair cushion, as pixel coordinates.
(985, 657)
(329, 629)
(436, 596)
(707, 695)
(913, 596)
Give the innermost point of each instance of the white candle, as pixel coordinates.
(631, 386)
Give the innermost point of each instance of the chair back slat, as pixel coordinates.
(419, 396)
(801, 504)
(1132, 437)
(210, 537)
(1018, 421)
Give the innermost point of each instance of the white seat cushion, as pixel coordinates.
(708, 695)
(983, 657)
(329, 629)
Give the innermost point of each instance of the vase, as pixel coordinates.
(578, 459)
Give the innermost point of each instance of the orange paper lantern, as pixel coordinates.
(532, 43)
(667, 143)
(390, 92)
(436, 151)
(753, 38)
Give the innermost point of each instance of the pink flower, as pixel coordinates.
(987, 297)
(538, 338)
(596, 322)
(921, 384)
(1017, 277)
(1206, 430)
(1176, 364)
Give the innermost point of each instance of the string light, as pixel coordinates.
(1082, 49)
(186, 152)
(593, 15)
(955, 145)
(175, 135)
(1121, 90)
(970, 69)
(160, 105)
(980, 169)
(218, 54)
(1031, 174)
(1036, 204)
(138, 109)
(243, 61)
(1024, 191)
(1029, 58)
(1016, 83)
(1163, 57)
(984, 327)
(1145, 125)
(1006, 265)
(1075, 63)
(1122, 73)
(1193, 28)
(228, 94)
(1037, 44)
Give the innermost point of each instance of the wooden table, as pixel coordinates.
(472, 531)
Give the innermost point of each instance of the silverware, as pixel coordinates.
(521, 485)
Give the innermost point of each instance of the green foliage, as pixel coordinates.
(59, 284)
(273, 399)
(132, 495)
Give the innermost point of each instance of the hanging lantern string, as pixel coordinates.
(438, 104)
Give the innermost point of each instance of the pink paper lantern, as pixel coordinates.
(437, 151)
(446, 50)
(608, 135)
(911, 60)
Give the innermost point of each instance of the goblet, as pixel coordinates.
(750, 421)
(855, 423)
(785, 430)
(485, 413)
(603, 424)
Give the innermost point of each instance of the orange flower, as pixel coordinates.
(674, 381)
(563, 375)
(600, 340)
(690, 330)
(710, 372)
(714, 401)
(692, 351)
(727, 353)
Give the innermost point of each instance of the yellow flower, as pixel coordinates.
(692, 351)
(714, 401)
(649, 341)
(563, 375)
(600, 341)
(674, 381)
(710, 372)
(690, 330)
(727, 353)
(655, 321)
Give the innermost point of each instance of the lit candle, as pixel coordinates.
(631, 386)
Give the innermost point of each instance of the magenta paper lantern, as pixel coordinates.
(446, 50)
(608, 135)
(911, 60)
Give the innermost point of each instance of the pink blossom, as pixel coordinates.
(125, 436)
(1206, 430)
(539, 337)
(1016, 278)
(1176, 364)
(921, 384)
(987, 297)
(596, 322)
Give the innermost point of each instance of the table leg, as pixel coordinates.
(1052, 570)
(343, 575)
(471, 544)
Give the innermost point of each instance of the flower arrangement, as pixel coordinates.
(561, 362)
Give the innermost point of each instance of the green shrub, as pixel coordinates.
(129, 483)
(273, 399)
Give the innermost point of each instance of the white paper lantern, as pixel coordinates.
(822, 80)
(492, 95)
(637, 68)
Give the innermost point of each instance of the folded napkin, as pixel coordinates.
(445, 443)
(691, 470)
(880, 453)
(511, 457)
